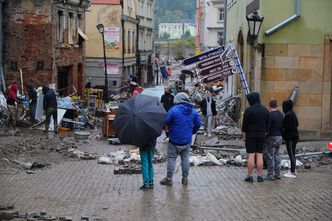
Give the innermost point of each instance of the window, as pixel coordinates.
(220, 38)
(129, 42)
(134, 40)
(80, 21)
(60, 26)
(71, 28)
(221, 14)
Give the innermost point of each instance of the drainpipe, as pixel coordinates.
(138, 53)
(123, 43)
(288, 20)
(225, 21)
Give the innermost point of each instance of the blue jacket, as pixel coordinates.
(182, 121)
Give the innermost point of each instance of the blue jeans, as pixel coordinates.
(147, 166)
(273, 157)
(173, 152)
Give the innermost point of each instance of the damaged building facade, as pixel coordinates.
(293, 49)
(45, 39)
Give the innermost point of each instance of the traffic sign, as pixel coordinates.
(216, 68)
(209, 62)
(227, 54)
(219, 76)
(203, 56)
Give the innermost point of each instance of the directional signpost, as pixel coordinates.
(217, 64)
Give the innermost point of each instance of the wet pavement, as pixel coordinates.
(78, 188)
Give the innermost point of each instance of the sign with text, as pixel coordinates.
(203, 56)
(112, 38)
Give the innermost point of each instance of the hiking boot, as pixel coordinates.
(260, 179)
(166, 181)
(144, 187)
(249, 179)
(185, 181)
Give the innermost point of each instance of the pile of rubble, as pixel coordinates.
(8, 212)
(127, 162)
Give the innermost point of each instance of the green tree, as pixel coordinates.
(165, 36)
(186, 35)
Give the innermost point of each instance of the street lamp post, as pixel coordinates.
(100, 28)
(254, 24)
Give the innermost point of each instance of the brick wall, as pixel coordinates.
(30, 36)
(286, 66)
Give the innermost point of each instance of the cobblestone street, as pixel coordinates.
(85, 188)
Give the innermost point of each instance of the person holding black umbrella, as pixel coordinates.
(182, 121)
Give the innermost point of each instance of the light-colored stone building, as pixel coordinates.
(119, 20)
(211, 27)
(145, 14)
(294, 48)
(176, 30)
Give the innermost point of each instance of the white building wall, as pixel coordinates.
(176, 30)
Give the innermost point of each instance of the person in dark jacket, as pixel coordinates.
(182, 121)
(290, 134)
(50, 107)
(254, 127)
(208, 108)
(274, 141)
(147, 154)
(167, 98)
(32, 95)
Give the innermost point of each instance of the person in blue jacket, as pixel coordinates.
(182, 121)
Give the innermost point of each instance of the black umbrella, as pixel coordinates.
(139, 119)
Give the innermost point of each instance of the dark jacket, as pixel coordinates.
(49, 98)
(203, 107)
(290, 123)
(150, 146)
(256, 118)
(167, 101)
(275, 125)
(182, 120)
(32, 93)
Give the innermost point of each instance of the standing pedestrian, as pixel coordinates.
(208, 108)
(290, 134)
(32, 94)
(167, 98)
(147, 154)
(182, 121)
(274, 141)
(12, 101)
(183, 79)
(51, 108)
(254, 128)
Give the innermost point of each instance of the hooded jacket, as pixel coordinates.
(49, 98)
(32, 93)
(182, 120)
(12, 94)
(290, 123)
(256, 118)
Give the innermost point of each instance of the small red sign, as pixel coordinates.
(329, 145)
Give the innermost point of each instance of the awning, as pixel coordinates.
(80, 32)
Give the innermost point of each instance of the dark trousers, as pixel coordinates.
(32, 112)
(291, 146)
(51, 112)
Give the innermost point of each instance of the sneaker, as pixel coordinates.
(209, 135)
(278, 177)
(260, 179)
(249, 179)
(151, 186)
(166, 181)
(185, 181)
(144, 187)
(289, 175)
(205, 134)
(269, 177)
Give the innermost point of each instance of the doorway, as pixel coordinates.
(63, 80)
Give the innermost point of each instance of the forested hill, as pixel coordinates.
(175, 11)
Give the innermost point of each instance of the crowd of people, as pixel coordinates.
(263, 130)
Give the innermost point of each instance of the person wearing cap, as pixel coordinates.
(182, 121)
